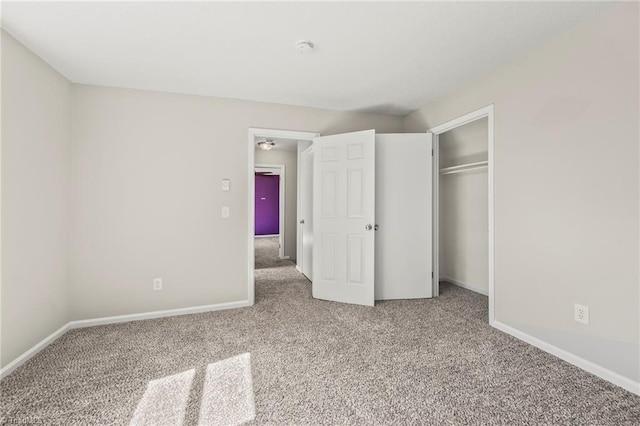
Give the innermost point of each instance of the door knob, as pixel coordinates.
(368, 227)
(302, 222)
(375, 228)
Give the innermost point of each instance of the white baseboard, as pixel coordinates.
(298, 268)
(158, 314)
(603, 373)
(114, 320)
(7, 369)
(267, 236)
(465, 285)
(286, 258)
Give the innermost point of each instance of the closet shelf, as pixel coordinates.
(464, 168)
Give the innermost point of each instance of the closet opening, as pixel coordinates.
(463, 243)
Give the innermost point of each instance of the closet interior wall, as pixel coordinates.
(463, 207)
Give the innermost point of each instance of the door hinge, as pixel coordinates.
(431, 274)
(432, 152)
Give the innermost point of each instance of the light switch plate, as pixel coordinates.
(226, 184)
(157, 284)
(225, 212)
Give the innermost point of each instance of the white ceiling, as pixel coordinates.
(379, 57)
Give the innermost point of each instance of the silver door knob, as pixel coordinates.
(368, 227)
(302, 222)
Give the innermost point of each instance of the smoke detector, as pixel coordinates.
(304, 46)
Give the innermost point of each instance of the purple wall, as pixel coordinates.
(267, 205)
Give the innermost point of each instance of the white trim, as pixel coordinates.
(468, 286)
(435, 213)
(462, 120)
(267, 236)
(114, 320)
(7, 369)
(280, 171)
(595, 369)
(488, 112)
(253, 134)
(269, 169)
(492, 230)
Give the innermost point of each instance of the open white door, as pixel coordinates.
(404, 208)
(306, 221)
(344, 217)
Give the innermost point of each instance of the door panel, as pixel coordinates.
(267, 204)
(344, 215)
(404, 185)
(306, 193)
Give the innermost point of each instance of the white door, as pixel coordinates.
(306, 222)
(344, 217)
(404, 187)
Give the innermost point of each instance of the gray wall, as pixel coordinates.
(464, 240)
(36, 138)
(566, 186)
(290, 161)
(146, 173)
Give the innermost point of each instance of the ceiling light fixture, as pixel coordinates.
(266, 144)
(304, 46)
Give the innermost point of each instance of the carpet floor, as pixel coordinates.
(294, 360)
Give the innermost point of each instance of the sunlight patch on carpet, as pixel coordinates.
(164, 401)
(227, 396)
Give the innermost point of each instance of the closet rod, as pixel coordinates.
(464, 167)
(450, 172)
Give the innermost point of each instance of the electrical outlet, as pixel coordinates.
(157, 284)
(581, 313)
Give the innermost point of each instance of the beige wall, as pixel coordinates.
(36, 137)
(290, 161)
(566, 187)
(464, 240)
(146, 176)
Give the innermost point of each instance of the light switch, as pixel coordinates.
(225, 212)
(225, 184)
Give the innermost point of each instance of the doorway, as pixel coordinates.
(442, 170)
(282, 150)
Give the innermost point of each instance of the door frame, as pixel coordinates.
(280, 171)
(253, 135)
(488, 113)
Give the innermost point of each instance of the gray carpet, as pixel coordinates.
(266, 249)
(294, 360)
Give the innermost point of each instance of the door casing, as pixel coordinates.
(488, 113)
